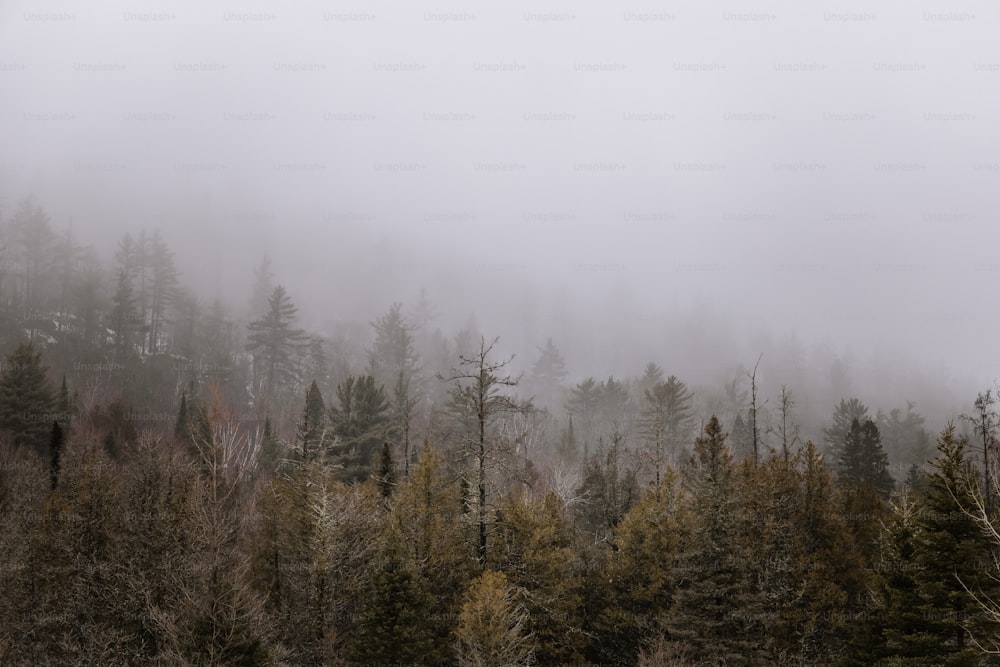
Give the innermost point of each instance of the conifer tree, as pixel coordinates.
(835, 435)
(55, 452)
(361, 422)
(717, 617)
(396, 626)
(26, 401)
(276, 345)
(939, 551)
(312, 431)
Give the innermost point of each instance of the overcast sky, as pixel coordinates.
(828, 171)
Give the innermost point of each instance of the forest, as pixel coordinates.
(185, 481)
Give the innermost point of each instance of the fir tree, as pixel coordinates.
(717, 616)
(26, 401)
(835, 435)
(312, 429)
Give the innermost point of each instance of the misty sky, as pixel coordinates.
(831, 171)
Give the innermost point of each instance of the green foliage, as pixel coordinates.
(276, 345)
(361, 423)
(863, 462)
(26, 401)
(835, 435)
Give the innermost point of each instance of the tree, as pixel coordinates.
(936, 555)
(644, 567)
(667, 419)
(393, 351)
(583, 403)
(163, 288)
(426, 513)
(835, 435)
(985, 421)
(263, 286)
(492, 624)
(863, 461)
(124, 317)
(904, 437)
(361, 423)
(312, 428)
(396, 626)
(276, 346)
(533, 546)
(786, 429)
(548, 373)
(26, 401)
(717, 616)
(55, 452)
(478, 401)
(754, 428)
(32, 234)
(609, 488)
(386, 477)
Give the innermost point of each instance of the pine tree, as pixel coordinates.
(276, 346)
(361, 422)
(26, 401)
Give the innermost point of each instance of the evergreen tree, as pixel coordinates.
(939, 552)
(276, 346)
(835, 435)
(124, 317)
(386, 472)
(312, 432)
(547, 374)
(361, 422)
(644, 567)
(26, 401)
(863, 461)
(396, 610)
(55, 452)
(717, 617)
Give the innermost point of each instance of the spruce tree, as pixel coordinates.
(26, 401)
(396, 626)
(932, 617)
(55, 453)
(835, 435)
(312, 432)
(717, 616)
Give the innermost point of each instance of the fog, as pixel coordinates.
(686, 183)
